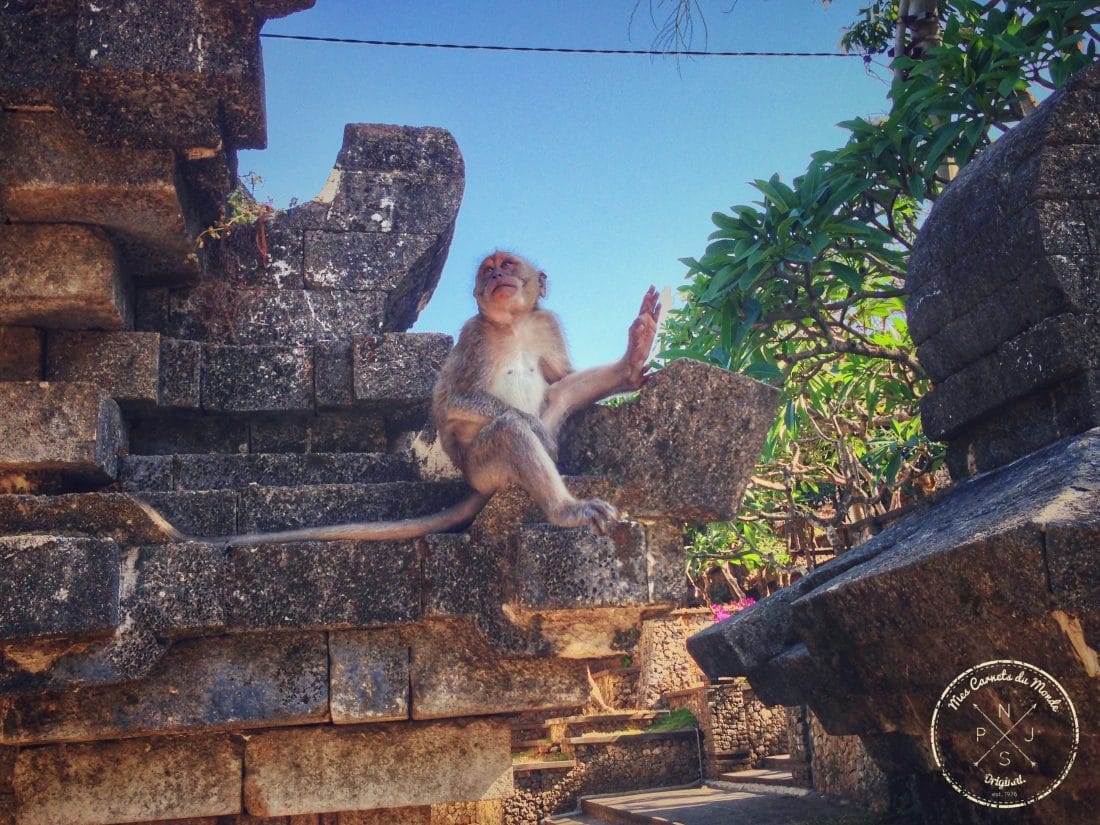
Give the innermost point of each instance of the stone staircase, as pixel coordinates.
(268, 385)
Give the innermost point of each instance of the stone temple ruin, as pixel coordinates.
(1004, 310)
(272, 385)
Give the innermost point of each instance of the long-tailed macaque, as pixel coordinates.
(500, 401)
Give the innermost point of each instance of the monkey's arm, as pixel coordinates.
(579, 389)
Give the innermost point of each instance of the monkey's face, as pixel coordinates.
(507, 285)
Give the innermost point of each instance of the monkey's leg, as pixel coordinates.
(508, 451)
(578, 390)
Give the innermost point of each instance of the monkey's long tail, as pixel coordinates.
(455, 516)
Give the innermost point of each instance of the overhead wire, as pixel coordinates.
(555, 49)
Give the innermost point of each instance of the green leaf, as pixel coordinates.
(848, 275)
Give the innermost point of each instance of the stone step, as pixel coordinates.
(148, 370)
(55, 174)
(760, 776)
(778, 761)
(213, 471)
(570, 727)
(258, 508)
(709, 805)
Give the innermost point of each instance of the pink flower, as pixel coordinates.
(721, 612)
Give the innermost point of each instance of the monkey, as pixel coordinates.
(499, 403)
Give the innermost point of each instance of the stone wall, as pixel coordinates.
(738, 729)
(617, 763)
(839, 766)
(664, 663)
(268, 383)
(618, 687)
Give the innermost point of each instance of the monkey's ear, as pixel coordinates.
(542, 284)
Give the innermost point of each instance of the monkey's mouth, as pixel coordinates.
(503, 289)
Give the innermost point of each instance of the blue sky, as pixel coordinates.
(603, 170)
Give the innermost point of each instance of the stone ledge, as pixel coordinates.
(60, 276)
(58, 586)
(56, 174)
(978, 558)
(213, 471)
(201, 684)
(110, 782)
(986, 508)
(554, 765)
(73, 430)
(318, 770)
(1054, 351)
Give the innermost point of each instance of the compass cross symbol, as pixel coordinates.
(1005, 735)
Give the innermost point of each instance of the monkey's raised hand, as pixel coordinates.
(639, 339)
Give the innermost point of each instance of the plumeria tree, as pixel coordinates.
(805, 288)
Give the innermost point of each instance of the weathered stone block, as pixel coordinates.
(60, 276)
(1054, 350)
(1025, 425)
(55, 174)
(322, 584)
(180, 374)
(362, 260)
(684, 449)
(197, 512)
(257, 378)
(397, 368)
(128, 781)
(244, 264)
(216, 683)
(405, 152)
(117, 516)
(60, 663)
(69, 428)
(455, 672)
(369, 676)
(1070, 544)
(333, 370)
(286, 317)
(126, 365)
(20, 354)
(352, 433)
(146, 472)
(34, 54)
(375, 202)
(978, 559)
(176, 589)
(668, 583)
(279, 508)
(216, 470)
(1016, 306)
(158, 435)
(575, 567)
(58, 586)
(311, 770)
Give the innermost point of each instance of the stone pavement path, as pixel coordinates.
(716, 804)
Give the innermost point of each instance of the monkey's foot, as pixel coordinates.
(595, 512)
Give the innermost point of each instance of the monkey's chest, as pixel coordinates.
(520, 382)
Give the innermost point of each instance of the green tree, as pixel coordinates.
(805, 288)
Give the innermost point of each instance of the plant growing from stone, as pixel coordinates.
(806, 287)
